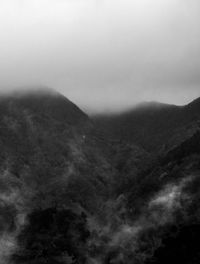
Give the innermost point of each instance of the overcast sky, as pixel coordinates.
(103, 54)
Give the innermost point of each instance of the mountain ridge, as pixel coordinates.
(69, 194)
(45, 101)
(149, 126)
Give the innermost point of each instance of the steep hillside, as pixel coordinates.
(50, 165)
(150, 125)
(70, 195)
(44, 102)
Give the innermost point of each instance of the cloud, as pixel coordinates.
(103, 54)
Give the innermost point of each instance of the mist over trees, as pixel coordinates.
(73, 190)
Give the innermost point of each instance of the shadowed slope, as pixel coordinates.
(150, 125)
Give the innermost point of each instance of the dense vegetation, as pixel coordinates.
(69, 193)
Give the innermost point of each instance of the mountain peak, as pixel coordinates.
(195, 102)
(153, 105)
(45, 101)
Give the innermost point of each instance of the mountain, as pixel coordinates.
(43, 102)
(50, 167)
(150, 125)
(73, 193)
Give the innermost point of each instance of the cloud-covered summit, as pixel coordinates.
(103, 55)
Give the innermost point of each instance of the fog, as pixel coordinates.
(102, 54)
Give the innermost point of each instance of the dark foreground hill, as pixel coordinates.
(68, 194)
(151, 125)
(50, 167)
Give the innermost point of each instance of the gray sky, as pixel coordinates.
(103, 54)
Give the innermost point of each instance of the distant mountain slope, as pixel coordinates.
(150, 125)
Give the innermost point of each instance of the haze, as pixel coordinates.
(104, 55)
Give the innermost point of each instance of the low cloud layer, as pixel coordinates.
(103, 55)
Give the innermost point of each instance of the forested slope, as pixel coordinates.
(70, 194)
